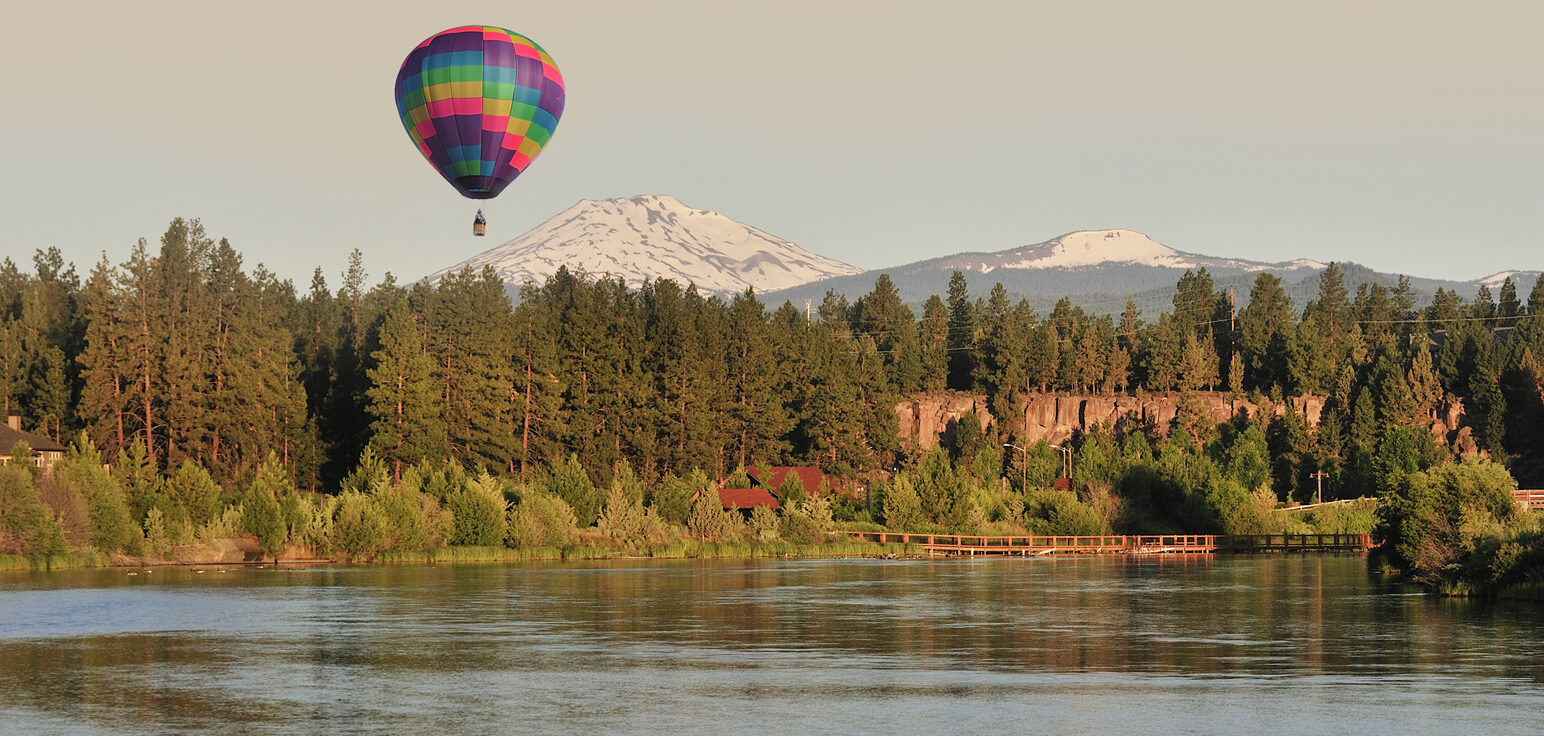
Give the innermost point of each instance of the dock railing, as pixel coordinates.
(1532, 500)
(974, 544)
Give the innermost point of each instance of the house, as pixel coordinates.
(816, 483)
(45, 452)
(745, 499)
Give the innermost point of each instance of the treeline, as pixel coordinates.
(392, 419)
(184, 351)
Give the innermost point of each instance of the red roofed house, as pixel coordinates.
(745, 499)
(45, 452)
(815, 481)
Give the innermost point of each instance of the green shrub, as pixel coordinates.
(81, 471)
(709, 521)
(27, 526)
(414, 520)
(1055, 512)
(764, 522)
(192, 488)
(479, 510)
(807, 522)
(359, 529)
(621, 515)
(901, 506)
(572, 484)
(541, 520)
(672, 498)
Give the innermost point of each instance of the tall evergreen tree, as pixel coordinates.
(404, 397)
(1265, 326)
(962, 334)
(756, 419)
(933, 335)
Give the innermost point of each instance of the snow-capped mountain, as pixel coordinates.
(1104, 264)
(1100, 269)
(1092, 248)
(656, 237)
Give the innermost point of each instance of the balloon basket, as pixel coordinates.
(479, 229)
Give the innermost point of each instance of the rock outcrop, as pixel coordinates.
(928, 418)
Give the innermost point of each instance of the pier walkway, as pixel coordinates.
(1126, 544)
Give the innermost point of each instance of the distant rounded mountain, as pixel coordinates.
(653, 237)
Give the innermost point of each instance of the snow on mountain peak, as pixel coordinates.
(1495, 280)
(1093, 247)
(654, 237)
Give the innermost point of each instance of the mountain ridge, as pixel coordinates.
(652, 237)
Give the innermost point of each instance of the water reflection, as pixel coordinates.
(1300, 644)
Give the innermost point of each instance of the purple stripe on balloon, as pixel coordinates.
(498, 53)
(552, 97)
(469, 130)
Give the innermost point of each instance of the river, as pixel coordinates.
(1284, 644)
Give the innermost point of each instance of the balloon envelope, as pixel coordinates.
(480, 103)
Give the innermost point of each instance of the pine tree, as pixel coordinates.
(537, 388)
(1425, 388)
(1536, 296)
(468, 327)
(933, 336)
(103, 403)
(756, 420)
(1265, 325)
(1196, 302)
(260, 511)
(1510, 307)
(1198, 363)
(404, 399)
(962, 334)
(573, 485)
(1392, 394)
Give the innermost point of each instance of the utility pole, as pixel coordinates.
(1232, 324)
(1318, 494)
(1023, 467)
(1066, 453)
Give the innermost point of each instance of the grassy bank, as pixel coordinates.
(683, 549)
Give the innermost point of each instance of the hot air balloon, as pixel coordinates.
(480, 103)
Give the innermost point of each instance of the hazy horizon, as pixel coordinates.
(1402, 136)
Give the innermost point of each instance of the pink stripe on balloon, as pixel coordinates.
(512, 141)
(468, 105)
(495, 122)
(526, 51)
(519, 161)
(441, 108)
(425, 129)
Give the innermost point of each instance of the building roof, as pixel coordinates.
(772, 478)
(9, 437)
(747, 498)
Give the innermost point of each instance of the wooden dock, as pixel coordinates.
(1118, 544)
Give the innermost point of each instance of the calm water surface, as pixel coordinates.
(1279, 644)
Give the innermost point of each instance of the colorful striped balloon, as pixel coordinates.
(480, 103)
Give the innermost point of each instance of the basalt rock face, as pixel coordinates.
(927, 419)
(1056, 418)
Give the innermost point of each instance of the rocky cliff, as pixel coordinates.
(926, 419)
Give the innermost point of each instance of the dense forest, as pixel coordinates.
(181, 358)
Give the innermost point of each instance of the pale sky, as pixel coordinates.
(1407, 136)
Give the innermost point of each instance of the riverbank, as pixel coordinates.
(688, 549)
